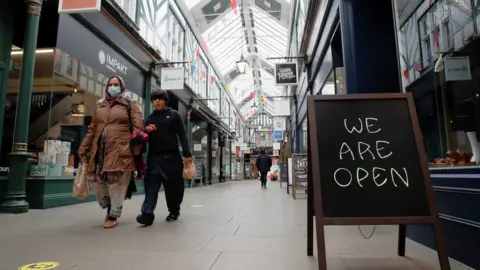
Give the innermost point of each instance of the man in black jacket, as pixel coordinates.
(264, 162)
(164, 162)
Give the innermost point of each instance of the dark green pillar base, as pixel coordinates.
(15, 205)
(15, 197)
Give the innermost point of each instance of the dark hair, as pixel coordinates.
(159, 94)
(262, 152)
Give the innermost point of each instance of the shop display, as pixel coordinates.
(274, 176)
(457, 158)
(55, 160)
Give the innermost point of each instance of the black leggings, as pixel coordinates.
(263, 178)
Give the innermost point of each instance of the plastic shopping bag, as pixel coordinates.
(189, 171)
(80, 185)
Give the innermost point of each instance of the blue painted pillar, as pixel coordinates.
(369, 46)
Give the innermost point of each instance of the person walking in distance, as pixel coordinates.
(264, 162)
(164, 162)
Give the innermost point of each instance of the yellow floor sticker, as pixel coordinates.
(40, 266)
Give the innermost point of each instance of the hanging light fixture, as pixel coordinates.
(254, 105)
(241, 65)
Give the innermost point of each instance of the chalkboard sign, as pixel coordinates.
(300, 173)
(369, 159)
(198, 162)
(368, 166)
(283, 172)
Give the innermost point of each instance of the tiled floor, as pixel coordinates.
(229, 226)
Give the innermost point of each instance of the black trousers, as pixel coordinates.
(164, 169)
(263, 178)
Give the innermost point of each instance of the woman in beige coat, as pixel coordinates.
(106, 148)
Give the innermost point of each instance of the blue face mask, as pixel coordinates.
(114, 91)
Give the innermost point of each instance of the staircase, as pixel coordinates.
(63, 107)
(40, 105)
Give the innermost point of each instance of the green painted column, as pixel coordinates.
(16, 194)
(188, 126)
(148, 91)
(6, 38)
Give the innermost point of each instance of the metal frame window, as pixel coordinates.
(129, 6)
(425, 38)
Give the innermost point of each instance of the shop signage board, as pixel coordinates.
(368, 166)
(276, 146)
(197, 147)
(457, 68)
(276, 153)
(97, 56)
(286, 73)
(278, 135)
(283, 173)
(281, 107)
(198, 163)
(79, 6)
(279, 123)
(172, 78)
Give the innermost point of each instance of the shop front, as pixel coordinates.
(448, 112)
(68, 81)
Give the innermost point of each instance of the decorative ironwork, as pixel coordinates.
(20, 147)
(34, 7)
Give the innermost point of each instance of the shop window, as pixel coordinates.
(447, 115)
(65, 92)
(329, 86)
(340, 81)
(129, 7)
(460, 13)
(153, 24)
(304, 136)
(426, 41)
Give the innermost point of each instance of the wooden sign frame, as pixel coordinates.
(314, 201)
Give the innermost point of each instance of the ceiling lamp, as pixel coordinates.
(242, 65)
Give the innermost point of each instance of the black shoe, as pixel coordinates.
(172, 217)
(145, 220)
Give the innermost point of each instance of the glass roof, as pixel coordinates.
(257, 35)
(226, 41)
(270, 35)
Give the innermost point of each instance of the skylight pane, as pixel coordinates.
(226, 41)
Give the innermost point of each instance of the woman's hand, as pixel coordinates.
(150, 128)
(187, 160)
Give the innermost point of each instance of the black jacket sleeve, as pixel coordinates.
(269, 162)
(182, 135)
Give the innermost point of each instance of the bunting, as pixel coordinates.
(205, 46)
(228, 88)
(251, 95)
(203, 74)
(212, 80)
(233, 4)
(197, 53)
(436, 39)
(418, 67)
(405, 73)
